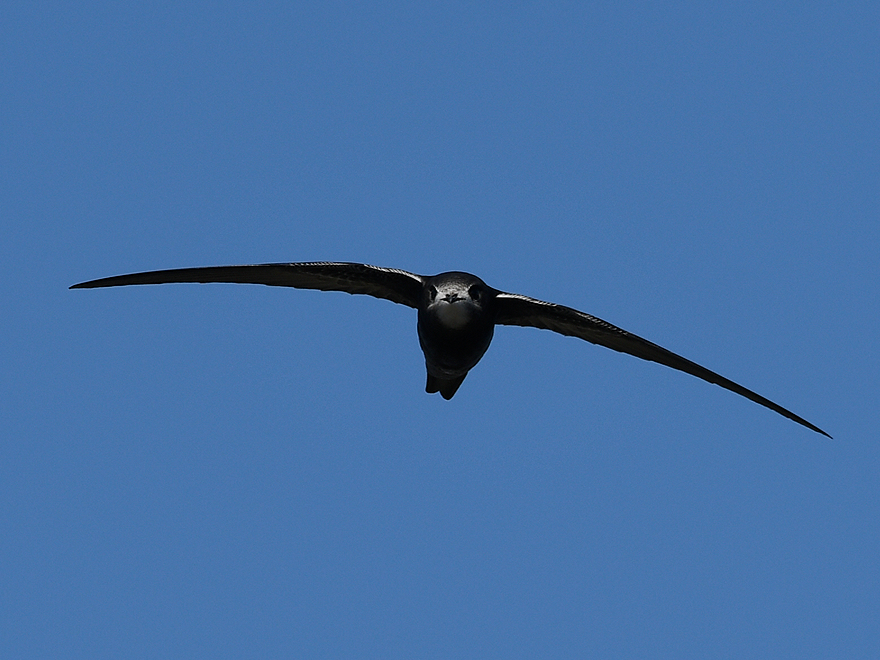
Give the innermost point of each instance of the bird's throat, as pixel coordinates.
(453, 316)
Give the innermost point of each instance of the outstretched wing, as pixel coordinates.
(515, 309)
(392, 284)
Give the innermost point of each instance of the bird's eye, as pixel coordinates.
(475, 291)
(432, 292)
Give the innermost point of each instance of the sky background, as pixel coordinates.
(229, 471)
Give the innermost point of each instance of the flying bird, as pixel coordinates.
(457, 315)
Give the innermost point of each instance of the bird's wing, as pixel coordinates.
(515, 309)
(398, 286)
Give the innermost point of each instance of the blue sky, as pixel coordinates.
(246, 472)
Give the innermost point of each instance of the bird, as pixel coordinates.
(457, 315)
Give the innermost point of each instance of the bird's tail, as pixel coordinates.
(446, 386)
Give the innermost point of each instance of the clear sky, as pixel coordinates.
(229, 471)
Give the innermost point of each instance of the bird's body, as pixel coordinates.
(457, 315)
(456, 324)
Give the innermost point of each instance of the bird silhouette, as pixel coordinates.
(457, 315)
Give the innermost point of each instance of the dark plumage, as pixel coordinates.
(457, 315)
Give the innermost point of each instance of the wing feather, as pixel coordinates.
(516, 309)
(398, 286)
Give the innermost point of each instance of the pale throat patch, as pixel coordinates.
(453, 315)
